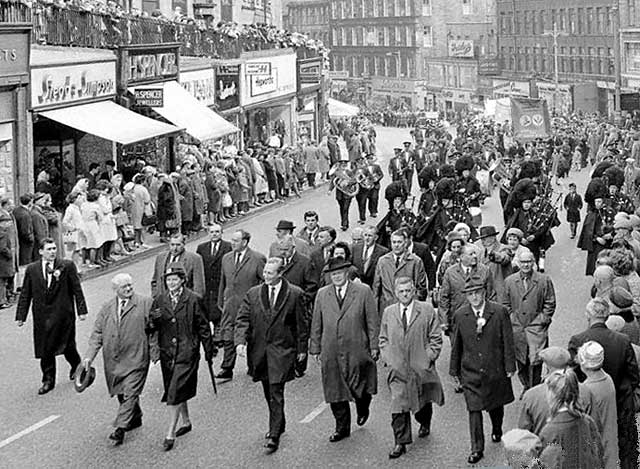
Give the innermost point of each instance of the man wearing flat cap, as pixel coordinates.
(344, 338)
(534, 412)
(621, 304)
(285, 228)
(483, 361)
(619, 363)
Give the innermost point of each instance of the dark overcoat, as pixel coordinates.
(24, 226)
(212, 265)
(367, 274)
(482, 361)
(54, 308)
(573, 204)
(345, 337)
(181, 330)
(40, 230)
(300, 272)
(185, 189)
(274, 336)
(193, 267)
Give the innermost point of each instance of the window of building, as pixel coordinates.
(359, 36)
(371, 67)
(427, 36)
(391, 8)
(392, 36)
(349, 39)
(540, 22)
(544, 60)
(599, 20)
(590, 20)
(467, 7)
(386, 36)
(630, 19)
(357, 9)
(380, 30)
(402, 7)
(370, 38)
(368, 8)
(380, 11)
(580, 21)
(572, 20)
(609, 21)
(426, 8)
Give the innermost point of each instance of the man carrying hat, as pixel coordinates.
(286, 228)
(483, 361)
(122, 331)
(344, 339)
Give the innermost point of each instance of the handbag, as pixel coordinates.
(128, 233)
(70, 237)
(149, 220)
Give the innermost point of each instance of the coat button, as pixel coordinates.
(173, 319)
(174, 340)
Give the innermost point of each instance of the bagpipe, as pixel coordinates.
(545, 211)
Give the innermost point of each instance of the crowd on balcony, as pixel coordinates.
(96, 23)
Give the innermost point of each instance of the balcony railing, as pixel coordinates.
(77, 27)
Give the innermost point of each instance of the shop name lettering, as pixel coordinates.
(68, 91)
(202, 90)
(8, 55)
(152, 66)
(261, 82)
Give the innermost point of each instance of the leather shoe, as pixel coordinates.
(496, 437)
(226, 375)
(184, 430)
(397, 451)
(167, 444)
(475, 457)
(117, 436)
(135, 423)
(46, 387)
(362, 419)
(268, 434)
(271, 445)
(337, 436)
(423, 432)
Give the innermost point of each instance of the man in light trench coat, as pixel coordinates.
(121, 330)
(344, 338)
(410, 344)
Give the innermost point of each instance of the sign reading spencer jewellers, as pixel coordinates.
(146, 64)
(227, 87)
(68, 84)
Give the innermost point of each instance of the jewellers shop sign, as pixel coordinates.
(145, 64)
(71, 84)
(279, 81)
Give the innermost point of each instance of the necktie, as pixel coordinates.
(367, 258)
(404, 318)
(49, 273)
(397, 261)
(174, 259)
(237, 258)
(525, 283)
(272, 296)
(123, 303)
(214, 249)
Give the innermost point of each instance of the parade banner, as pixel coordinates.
(530, 118)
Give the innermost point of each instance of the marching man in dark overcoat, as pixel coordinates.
(271, 326)
(52, 288)
(344, 338)
(483, 360)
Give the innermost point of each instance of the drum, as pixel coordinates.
(476, 216)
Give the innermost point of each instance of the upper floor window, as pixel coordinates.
(467, 8)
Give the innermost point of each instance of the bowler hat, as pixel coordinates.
(175, 268)
(474, 283)
(336, 263)
(486, 231)
(556, 357)
(84, 378)
(285, 225)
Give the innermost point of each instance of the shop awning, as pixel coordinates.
(340, 109)
(110, 121)
(185, 111)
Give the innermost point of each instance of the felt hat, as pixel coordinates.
(486, 231)
(336, 263)
(175, 268)
(84, 378)
(515, 232)
(474, 283)
(285, 225)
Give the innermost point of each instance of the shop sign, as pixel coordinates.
(149, 97)
(149, 64)
(14, 52)
(547, 91)
(310, 70)
(630, 101)
(200, 84)
(259, 68)
(461, 48)
(72, 83)
(280, 81)
(391, 85)
(489, 66)
(227, 86)
(510, 88)
(337, 74)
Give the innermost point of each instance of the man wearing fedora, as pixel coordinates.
(272, 327)
(344, 339)
(496, 256)
(53, 287)
(241, 269)
(122, 330)
(192, 263)
(483, 361)
(286, 228)
(530, 299)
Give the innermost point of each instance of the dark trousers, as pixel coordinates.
(373, 196)
(48, 363)
(344, 203)
(311, 179)
(342, 412)
(573, 226)
(280, 179)
(229, 357)
(477, 432)
(529, 375)
(274, 395)
(128, 411)
(401, 423)
(361, 197)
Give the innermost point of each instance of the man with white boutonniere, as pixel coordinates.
(53, 285)
(483, 362)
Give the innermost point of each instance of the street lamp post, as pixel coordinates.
(615, 13)
(554, 34)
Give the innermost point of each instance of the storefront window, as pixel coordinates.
(632, 57)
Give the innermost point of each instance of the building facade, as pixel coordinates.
(310, 17)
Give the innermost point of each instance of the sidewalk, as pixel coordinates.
(155, 246)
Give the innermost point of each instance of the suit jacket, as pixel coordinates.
(235, 281)
(422, 251)
(451, 296)
(366, 275)
(54, 324)
(24, 226)
(317, 259)
(301, 246)
(193, 267)
(386, 273)
(274, 335)
(300, 272)
(212, 275)
(311, 239)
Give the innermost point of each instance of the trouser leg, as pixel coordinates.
(401, 425)
(229, 357)
(424, 415)
(361, 198)
(128, 411)
(71, 354)
(475, 431)
(497, 416)
(274, 395)
(362, 404)
(48, 367)
(373, 201)
(523, 374)
(342, 414)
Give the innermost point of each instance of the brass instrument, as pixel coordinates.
(364, 178)
(344, 180)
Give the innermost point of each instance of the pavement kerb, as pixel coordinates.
(155, 250)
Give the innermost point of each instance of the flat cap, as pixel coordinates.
(556, 357)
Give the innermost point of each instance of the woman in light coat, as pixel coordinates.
(141, 205)
(73, 227)
(92, 216)
(108, 222)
